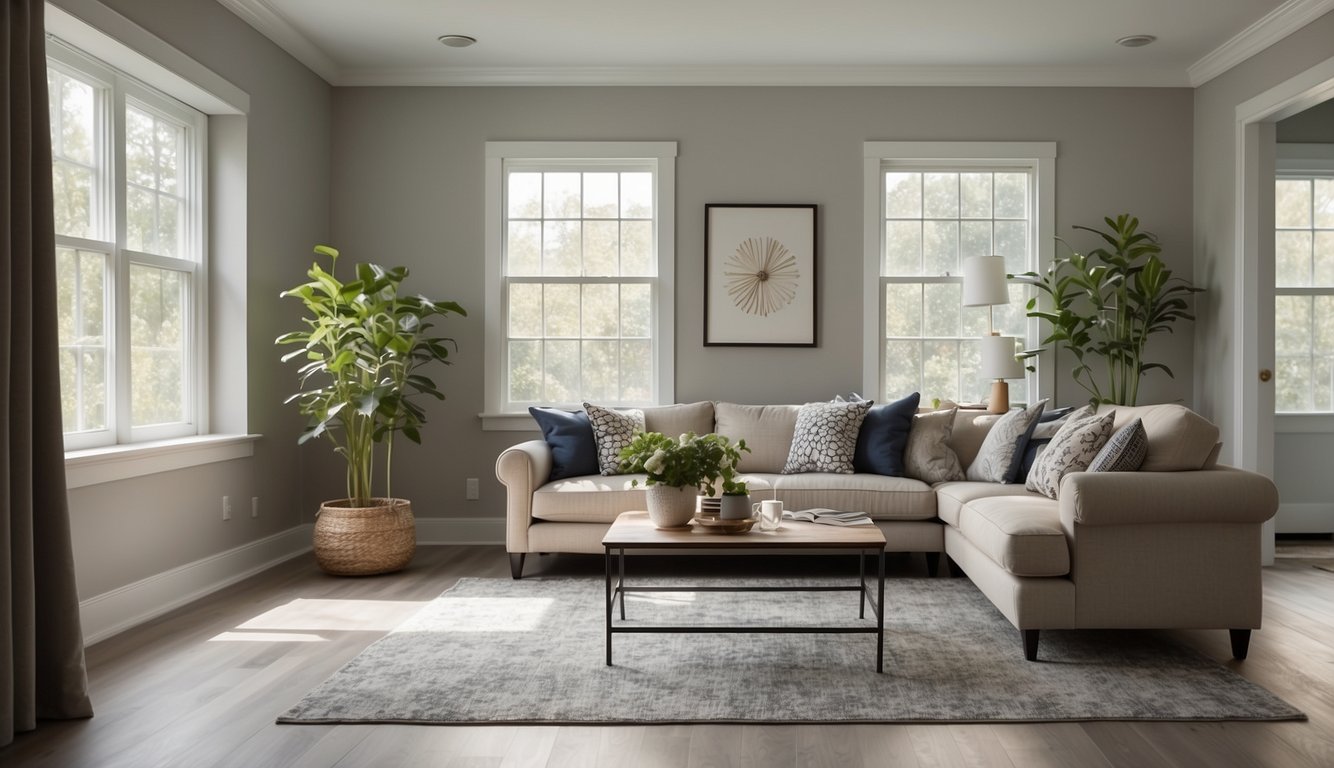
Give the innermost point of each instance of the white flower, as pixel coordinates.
(685, 439)
(655, 462)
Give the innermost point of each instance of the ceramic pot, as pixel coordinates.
(670, 506)
(735, 508)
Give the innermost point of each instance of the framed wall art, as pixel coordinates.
(759, 275)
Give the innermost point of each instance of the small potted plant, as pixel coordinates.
(679, 468)
(363, 346)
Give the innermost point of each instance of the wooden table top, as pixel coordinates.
(633, 529)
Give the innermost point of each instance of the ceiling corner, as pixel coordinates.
(1271, 28)
(277, 28)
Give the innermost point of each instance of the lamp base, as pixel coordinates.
(1000, 397)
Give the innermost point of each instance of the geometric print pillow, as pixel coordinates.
(1072, 450)
(613, 431)
(1002, 452)
(825, 437)
(1125, 451)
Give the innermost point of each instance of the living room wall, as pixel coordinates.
(129, 530)
(407, 188)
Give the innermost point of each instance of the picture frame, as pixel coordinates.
(760, 275)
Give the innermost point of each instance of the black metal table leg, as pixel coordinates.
(620, 582)
(880, 619)
(861, 579)
(607, 568)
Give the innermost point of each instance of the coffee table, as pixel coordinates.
(632, 530)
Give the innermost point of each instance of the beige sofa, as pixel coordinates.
(1175, 545)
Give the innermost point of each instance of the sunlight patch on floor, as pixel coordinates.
(314, 615)
(481, 614)
(268, 637)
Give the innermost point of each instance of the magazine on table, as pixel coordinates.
(827, 516)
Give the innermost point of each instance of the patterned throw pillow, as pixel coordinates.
(613, 431)
(1071, 450)
(1125, 451)
(1002, 452)
(826, 437)
(929, 457)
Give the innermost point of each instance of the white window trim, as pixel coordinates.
(663, 322)
(112, 38)
(1039, 155)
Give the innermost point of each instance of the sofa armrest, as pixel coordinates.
(522, 469)
(1222, 495)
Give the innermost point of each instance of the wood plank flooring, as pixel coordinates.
(201, 686)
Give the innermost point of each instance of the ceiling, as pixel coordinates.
(775, 42)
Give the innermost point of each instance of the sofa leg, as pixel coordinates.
(954, 570)
(1241, 642)
(516, 565)
(932, 563)
(1030, 644)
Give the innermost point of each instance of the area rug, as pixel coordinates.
(532, 651)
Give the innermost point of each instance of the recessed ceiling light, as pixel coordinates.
(1136, 41)
(457, 41)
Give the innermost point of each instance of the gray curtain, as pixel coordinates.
(41, 643)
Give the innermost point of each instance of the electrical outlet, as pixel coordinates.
(472, 491)
(226, 507)
(254, 506)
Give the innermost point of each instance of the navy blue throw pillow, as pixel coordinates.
(574, 451)
(1030, 455)
(883, 437)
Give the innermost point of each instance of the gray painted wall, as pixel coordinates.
(407, 188)
(1313, 126)
(128, 530)
(1215, 219)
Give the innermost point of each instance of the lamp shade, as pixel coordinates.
(998, 358)
(984, 281)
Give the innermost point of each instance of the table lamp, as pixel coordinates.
(998, 364)
(984, 285)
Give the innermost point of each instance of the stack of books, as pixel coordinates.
(827, 516)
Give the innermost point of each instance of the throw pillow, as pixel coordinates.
(1034, 449)
(1125, 451)
(826, 437)
(574, 451)
(1002, 452)
(613, 431)
(1071, 450)
(928, 456)
(884, 436)
(1051, 421)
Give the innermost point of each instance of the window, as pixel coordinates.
(930, 206)
(128, 182)
(1304, 289)
(579, 244)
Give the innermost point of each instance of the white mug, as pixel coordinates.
(770, 513)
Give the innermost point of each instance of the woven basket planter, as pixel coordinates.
(363, 541)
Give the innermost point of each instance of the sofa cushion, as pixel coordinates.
(1002, 451)
(1179, 438)
(1071, 450)
(929, 457)
(767, 430)
(588, 499)
(950, 497)
(884, 436)
(970, 430)
(825, 437)
(614, 431)
(1021, 534)
(880, 497)
(574, 451)
(676, 420)
(1124, 451)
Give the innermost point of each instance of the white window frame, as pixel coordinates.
(660, 157)
(1303, 161)
(881, 156)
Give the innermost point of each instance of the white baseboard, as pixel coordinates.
(460, 530)
(111, 613)
(1305, 518)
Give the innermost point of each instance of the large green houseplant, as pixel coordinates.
(364, 344)
(1106, 304)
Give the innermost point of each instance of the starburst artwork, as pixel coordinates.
(762, 276)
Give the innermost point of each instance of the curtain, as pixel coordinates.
(41, 643)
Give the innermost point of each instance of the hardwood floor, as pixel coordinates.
(202, 685)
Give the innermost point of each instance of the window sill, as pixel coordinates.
(94, 466)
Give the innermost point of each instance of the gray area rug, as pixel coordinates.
(532, 651)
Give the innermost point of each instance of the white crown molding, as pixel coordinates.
(277, 28)
(770, 76)
(1271, 28)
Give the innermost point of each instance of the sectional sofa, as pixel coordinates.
(1175, 544)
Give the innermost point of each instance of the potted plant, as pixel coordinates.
(679, 468)
(364, 343)
(1106, 304)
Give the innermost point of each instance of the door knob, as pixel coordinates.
(1266, 374)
